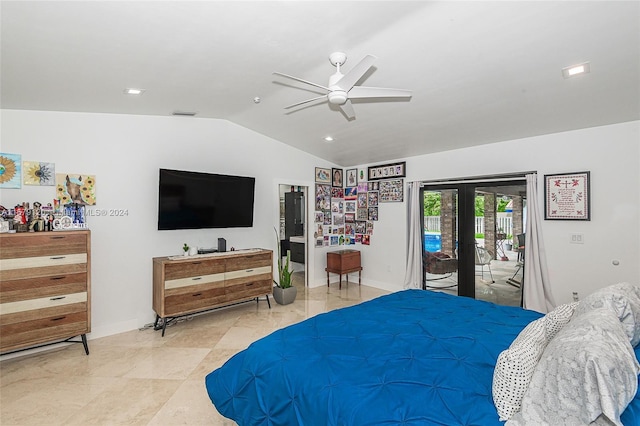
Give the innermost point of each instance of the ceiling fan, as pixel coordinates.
(342, 89)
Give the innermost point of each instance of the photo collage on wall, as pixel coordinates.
(346, 202)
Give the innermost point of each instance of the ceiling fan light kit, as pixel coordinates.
(342, 89)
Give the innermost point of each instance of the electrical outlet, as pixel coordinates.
(576, 238)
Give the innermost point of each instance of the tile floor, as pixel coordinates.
(141, 378)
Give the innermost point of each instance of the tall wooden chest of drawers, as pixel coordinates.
(45, 288)
(191, 284)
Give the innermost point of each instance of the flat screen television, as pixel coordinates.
(195, 200)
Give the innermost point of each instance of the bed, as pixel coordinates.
(413, 357)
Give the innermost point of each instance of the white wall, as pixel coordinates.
(610, 153)
(125, 153)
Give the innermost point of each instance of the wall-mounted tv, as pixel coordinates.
(195, 200)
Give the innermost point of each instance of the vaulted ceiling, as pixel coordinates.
(480, 72)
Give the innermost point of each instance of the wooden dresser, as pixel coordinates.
(344, 262)
(45, 290)
(191, 284)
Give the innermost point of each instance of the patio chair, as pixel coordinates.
(520, 264)
(484, 258)
(438, 263)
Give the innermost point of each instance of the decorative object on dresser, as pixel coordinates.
(45, 290)
(189, 285)
(344, 262)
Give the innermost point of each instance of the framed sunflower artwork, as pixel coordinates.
(38, 173)
(10, 171)
(76, 189)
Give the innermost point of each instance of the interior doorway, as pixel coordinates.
(470, 230)
(293, 229)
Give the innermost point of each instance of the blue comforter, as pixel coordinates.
(413, 357)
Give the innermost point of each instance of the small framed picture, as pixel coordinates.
(387, 171)
(323, 175)
(566, 196)
(336, 180)
(391, 191)
(352, 178)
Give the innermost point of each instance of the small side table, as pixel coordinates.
(344, 262)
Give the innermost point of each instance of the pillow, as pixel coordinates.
(558, 318)
(516, 365)
(587, 373)
(624, 300)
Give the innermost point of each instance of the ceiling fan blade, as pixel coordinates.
(302, 81)
(304, 102)
(356, 73)
(360, 92)
(347, 109)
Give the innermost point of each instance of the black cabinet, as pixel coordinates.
(297, 252)
(293, 214)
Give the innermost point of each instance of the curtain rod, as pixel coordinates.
(479, 179)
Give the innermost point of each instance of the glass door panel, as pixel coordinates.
(499, 218)
(470, 239)
(440, 238)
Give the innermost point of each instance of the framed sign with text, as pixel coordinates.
(566, 196)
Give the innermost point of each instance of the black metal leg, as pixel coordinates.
(155, 324)
(164, 325)
(84, 342)
(268, 302)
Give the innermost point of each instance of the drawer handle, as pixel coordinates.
(197, 294)
(249, 270)
(196, 278)
(58, 298)
(59, 237)
(58, 319)
(57, 278)
(250, 284)
(196, 263)
(57, 257)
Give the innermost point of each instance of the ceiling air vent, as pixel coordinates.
(184, 113)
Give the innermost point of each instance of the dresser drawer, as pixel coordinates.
(249, 274)
(197, 300)
(41, 303)
(46, 326)
(201, 280)
(248, 289)
(248, 261)
(47, 286)
(18, 268)
(42, 244)
(194, 268)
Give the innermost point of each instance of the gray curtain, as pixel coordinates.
(413, 273)
(536, 288)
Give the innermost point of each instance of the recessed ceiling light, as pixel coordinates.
(328, 139)
(133, 91)
(574, 70)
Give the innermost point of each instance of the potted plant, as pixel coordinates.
(283, 291)
(185, 248)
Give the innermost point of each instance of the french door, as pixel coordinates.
(463, 225)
